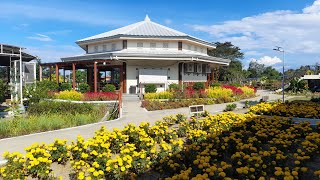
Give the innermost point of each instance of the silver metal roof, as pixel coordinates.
(131, 54)
(143, 29)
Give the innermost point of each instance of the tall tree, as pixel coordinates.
(226, 50)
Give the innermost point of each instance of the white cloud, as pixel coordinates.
(267, 60)
(168, 21)
(40, 37)
(297, 32)
(59, 32)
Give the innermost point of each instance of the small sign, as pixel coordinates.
(196, 109)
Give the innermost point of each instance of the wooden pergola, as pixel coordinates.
(92, 67)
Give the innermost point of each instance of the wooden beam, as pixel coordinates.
(57, 73)
(74, 76)
(95, 77)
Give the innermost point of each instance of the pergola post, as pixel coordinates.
(40, 72)
(57, 73)
(95, 76)
(50, 73)
(74, 76)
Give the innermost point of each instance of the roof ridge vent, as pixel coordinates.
(147, 18)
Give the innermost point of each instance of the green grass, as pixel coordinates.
(50, 121)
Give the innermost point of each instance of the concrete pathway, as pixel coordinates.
(132, 113)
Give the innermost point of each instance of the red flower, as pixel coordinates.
(100, 96)
(235, 90)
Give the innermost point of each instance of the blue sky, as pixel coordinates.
(49, 29)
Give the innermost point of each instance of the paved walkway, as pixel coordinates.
(132, 113)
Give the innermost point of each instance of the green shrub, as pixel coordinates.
(40, 90)
(65, 86)
(52, 107)
(84, 87)
(230, 107)
(215, 84)
(173, 87)
(48, 85)
(150, 88)
(198, 86)
(109, 88)
(3, 90)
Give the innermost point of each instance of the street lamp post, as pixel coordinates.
(280, 49)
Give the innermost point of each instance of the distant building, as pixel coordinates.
(313, 82)
(144, 53)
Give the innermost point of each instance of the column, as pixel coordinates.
(74, 76)
(50, 72)
(64, 75)
(40, 72)
(57, 73)
(124, 77)
(180, 75)
(95, 77)
(212, 75)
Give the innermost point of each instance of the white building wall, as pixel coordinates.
(194, 48)
(118, 46)
(133, 75)
(132, 44)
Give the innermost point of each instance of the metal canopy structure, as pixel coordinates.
(13, 57)
(13, 52)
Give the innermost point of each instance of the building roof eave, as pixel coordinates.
(125, 56)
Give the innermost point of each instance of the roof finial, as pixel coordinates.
(147, 18)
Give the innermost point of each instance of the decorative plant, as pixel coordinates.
(3, 90)
(109, 88)
(150, 88)
(198, 86)
(65, 86)
(84, 87)
(230, 107)
(173, 87)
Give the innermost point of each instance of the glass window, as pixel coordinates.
(153, 45)
(96, 48)
(139, 44)
(165, 45)
(104, 47)
(113, 47)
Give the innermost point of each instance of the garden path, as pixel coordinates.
(132, 113)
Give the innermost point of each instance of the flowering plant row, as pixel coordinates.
(89, 96)
(293, 109)
(223, 146)
(212, 92)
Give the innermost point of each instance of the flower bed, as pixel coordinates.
(89, 96)
(188, 97)
(294, 109)
(223, 146)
